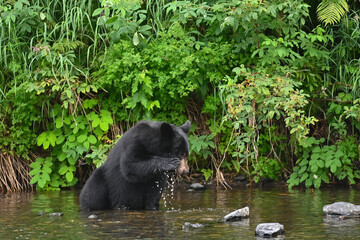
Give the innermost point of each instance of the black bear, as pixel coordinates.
(134, 174)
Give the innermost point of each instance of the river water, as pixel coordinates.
(26, 215)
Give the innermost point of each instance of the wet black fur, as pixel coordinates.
(133, 176)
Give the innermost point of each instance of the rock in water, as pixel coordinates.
(197, 186)
(237, 215)
(269, 230)
(188, 225)
(240, 178)
(342, 208)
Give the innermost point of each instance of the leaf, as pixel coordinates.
(314, 168)
(42, 138)
(58, 122)
(42, 16)
(107, 118)
(331, 11)
(71, 160)
(75, 130)
(35, 179)
(92, 139)
(63, 169)
(136, 40)
(69, 176)
(97, 12)
(104, 126)
(96, 121)
(37, 163)
(52, 138)
(62, 157)
(81, 138)
(320, 163)
(46, 169)
(303, 162)
(337, 162)
(317, 182)
(333, 168)
(86, 144)
(67, 120)
(60, 139)
(302, 170)
(304, 177)
(41, 183)
(46, 145)
(71, 138)
(34, 172)
(308, 182)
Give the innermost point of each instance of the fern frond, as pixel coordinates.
(331, 11)
(65, 45)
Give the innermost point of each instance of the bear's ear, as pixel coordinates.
(166, 130)
(186, 126)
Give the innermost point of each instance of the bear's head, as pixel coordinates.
(175, 143)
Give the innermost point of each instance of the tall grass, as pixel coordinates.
(41, 42)
(63, 26)
(344, 74)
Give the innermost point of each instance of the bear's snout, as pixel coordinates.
(184, 167)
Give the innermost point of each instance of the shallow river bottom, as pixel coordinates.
(300, 211)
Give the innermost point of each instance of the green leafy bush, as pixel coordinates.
(73, 139)
(319, 164)
(255, 101)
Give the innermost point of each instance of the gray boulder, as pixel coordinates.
(197, 186)
(237, 215)
(342, 209)
(269, 230)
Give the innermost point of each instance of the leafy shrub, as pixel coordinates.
(72, 140)
(256, 100)
(156, 80)
(266, 168)
(319, 163)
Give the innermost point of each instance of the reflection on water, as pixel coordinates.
(300, 211)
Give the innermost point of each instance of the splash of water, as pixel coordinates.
(168, 195)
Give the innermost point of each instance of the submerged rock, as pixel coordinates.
(188, 225)
(240, 178)
(342, 208)
(237, 215)
(197, 186)
(269, 230)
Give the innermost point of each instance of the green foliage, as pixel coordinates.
(266, 168)
(73, 138)
(258, 101)
(319, 163)
(262, 97)
(207, 173)
(252, 76)
(158, 78)
(201, 146)
(344, 63)
(331, 11)
(41, 171)
(124, 19)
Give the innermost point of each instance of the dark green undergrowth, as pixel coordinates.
(268, 96)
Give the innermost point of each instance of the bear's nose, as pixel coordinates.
(184, 167)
